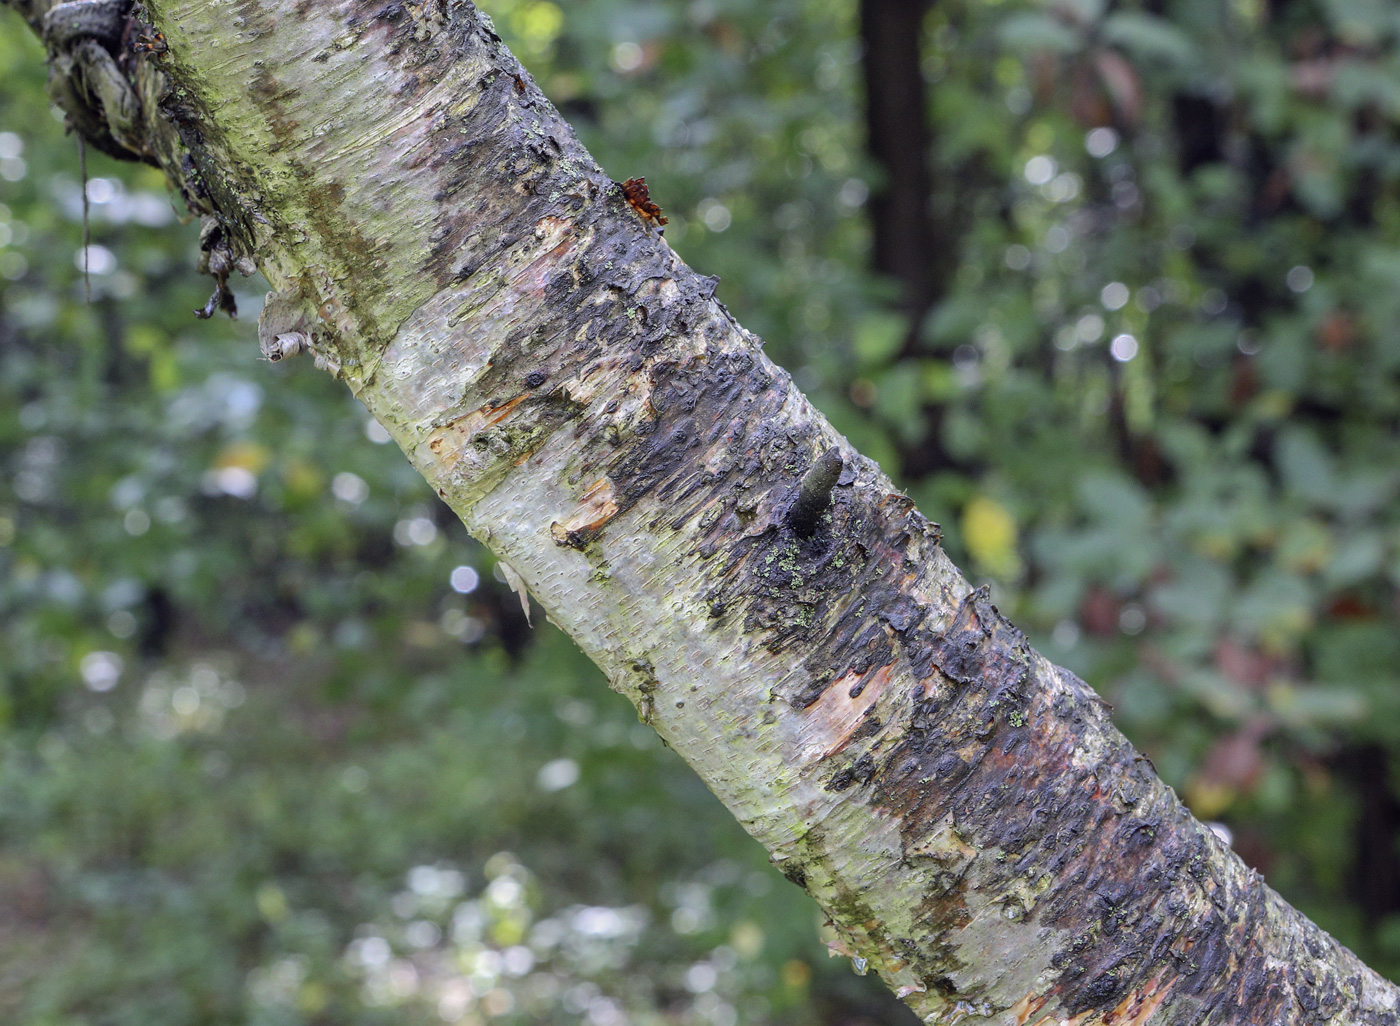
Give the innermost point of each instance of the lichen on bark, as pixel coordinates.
(977, 831)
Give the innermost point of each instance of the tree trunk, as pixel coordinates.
(979, 833)
(897, 136)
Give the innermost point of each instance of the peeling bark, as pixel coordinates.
(978, 832)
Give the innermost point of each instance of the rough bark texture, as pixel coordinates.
(978, 832)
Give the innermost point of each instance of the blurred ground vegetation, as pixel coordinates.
(276, 745)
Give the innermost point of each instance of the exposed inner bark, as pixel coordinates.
(975, 827)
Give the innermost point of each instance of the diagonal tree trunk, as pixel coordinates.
(978, 832)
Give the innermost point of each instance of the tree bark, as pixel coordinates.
(978, 832)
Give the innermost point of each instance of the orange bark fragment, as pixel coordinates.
(1134, 1010)
(829, 722)
(634, 190)
(448, 441)
(1026, 1007)
(597, 506)
(1137, 1007)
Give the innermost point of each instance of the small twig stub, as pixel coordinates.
(814, 493)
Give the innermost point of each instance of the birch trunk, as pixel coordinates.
(978, 832)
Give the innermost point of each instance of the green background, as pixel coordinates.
(261, 764)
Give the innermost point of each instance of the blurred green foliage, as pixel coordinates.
(276, 746)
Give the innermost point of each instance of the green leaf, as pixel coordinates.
(878, 337)
(1149, 37)
(1306, 467)
(1358, 558)
(1028, 32)
(1361, 22)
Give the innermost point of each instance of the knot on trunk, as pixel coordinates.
(92, 47)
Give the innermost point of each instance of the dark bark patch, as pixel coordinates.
(792, 869)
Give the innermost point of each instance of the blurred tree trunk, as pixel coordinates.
(908, 245)
(977, 831)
